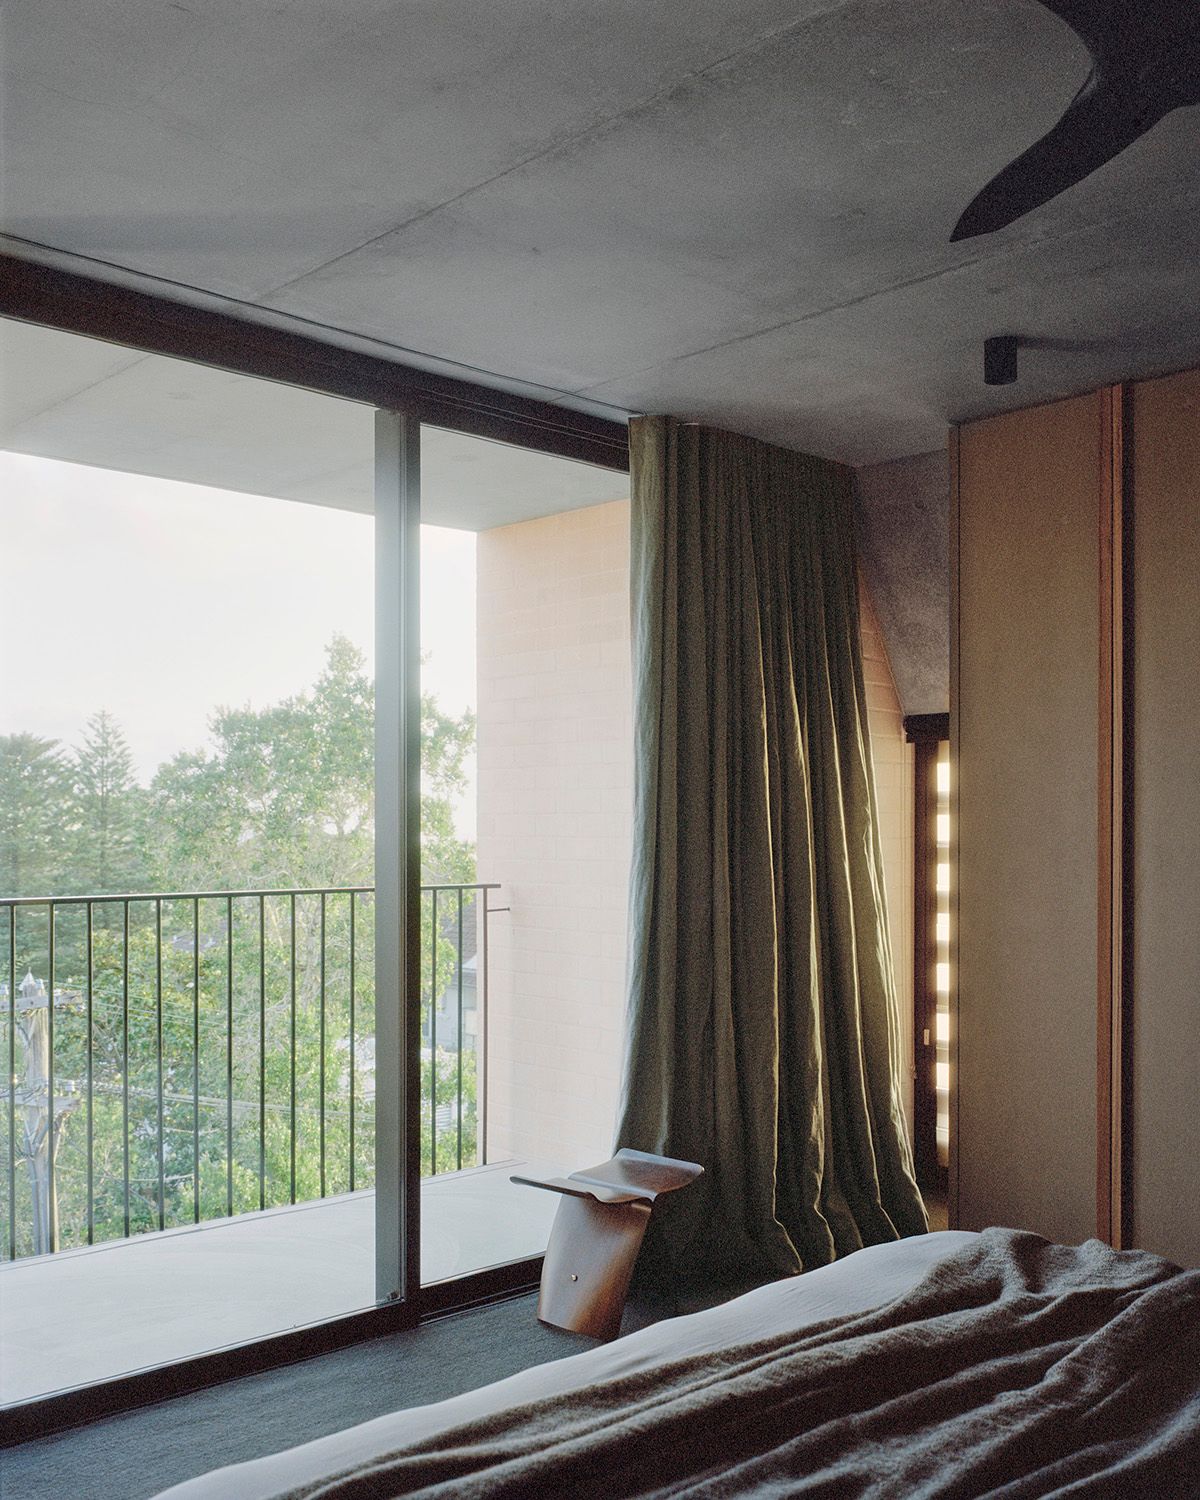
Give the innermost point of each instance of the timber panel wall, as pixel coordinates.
(1025, 712)
(1164, 471)
(1077, 620)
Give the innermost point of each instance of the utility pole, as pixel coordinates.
(41, 1127)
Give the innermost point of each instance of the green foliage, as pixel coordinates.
(34, 797)
(240, 1017)
(285, 796)
(449, 1094)
(445, 745)
(105, 811)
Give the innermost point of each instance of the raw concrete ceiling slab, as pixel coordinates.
(734, 212)
(84, 402)
(903, 530)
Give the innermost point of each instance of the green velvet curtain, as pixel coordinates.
(763, 1034)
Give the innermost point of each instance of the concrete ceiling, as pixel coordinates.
(733, 210)
(902, 523)
(87, 402)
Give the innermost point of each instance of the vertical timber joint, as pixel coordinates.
(1113, 829)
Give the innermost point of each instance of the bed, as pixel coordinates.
(948, 1364)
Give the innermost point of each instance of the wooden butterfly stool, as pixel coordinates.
(597, 1234)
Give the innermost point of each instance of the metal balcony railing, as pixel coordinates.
(174, 1057)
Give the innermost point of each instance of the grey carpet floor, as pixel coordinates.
(136, 1454)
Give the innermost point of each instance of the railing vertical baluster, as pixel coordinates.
(321, 1088)
(229, 1056)
(292, 1049)
(459, 1110)
(125, 1063)
(51, 1186)
(433, 1037)
(12, 1083)
(262, 1053)
(91, 1122)
(158, 1033)
(166, 1092)
(353, 1042)
(196, 1060)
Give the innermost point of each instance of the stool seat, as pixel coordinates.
(597, 1234)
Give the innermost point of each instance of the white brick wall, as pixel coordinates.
(555, 767)
(555, 814)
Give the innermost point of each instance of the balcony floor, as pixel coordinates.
(91, 1314)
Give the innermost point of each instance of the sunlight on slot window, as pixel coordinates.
(943, 1078)
(943, 877)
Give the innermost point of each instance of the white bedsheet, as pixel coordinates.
(866, 1279)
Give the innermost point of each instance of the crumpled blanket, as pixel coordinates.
(1016, 1368)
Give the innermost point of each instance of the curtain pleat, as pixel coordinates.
(763, 1035)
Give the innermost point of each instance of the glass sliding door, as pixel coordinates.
(526, 797)
(188, 904)
(315, 786)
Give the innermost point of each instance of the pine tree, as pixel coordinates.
(34, 797)
(105, 803)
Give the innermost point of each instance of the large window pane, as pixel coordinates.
(186, 860)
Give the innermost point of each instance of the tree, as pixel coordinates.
(445, 744)
(282, 797)
(106, 856)
(343, 706)
(285, 796)
(33, 790)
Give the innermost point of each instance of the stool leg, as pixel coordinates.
(589, 1264)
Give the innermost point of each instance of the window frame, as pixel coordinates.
(404, 398)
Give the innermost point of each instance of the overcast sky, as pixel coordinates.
(160, 601)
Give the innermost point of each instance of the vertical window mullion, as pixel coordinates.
(397, 856)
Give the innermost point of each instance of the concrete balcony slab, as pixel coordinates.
(91, 1314)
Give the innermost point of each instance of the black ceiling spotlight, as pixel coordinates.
(1000, 360)
(1145, 63)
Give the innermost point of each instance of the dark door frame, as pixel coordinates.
(34, 293)
(926, 733)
